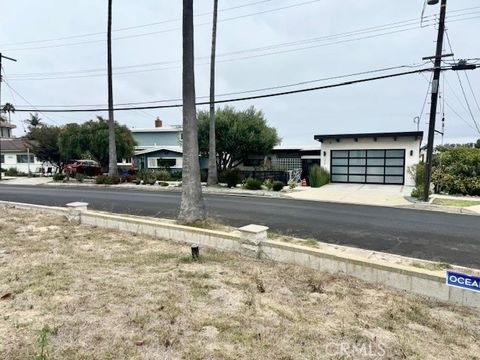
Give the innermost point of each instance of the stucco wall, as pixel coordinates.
(11, 162)
(407, 143)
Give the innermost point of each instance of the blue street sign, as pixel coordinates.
(463, 281)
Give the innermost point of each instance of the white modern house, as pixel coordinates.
(371, 158)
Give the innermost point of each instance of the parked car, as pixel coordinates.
(86, 167)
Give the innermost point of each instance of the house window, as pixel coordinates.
(23, 159)
(2, 159)
(166, 163)
(252, 162)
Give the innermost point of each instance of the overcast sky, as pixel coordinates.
(147, 54)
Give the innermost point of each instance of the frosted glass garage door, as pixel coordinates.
(377, 166)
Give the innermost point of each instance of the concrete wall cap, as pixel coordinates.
(254, 229)
(77, 204)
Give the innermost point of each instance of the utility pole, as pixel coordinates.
(1, 132)
(433, 107)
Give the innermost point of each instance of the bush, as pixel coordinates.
(203, 175)
(107, 180)
(277, 185)
(231, 177)
(163, 183)
(457, 170)
(416, 173)
(101, 179)
(11, 172)
(268, 184)
(292, 184)
(58, 177)
(162, 175)
(176, 175)
(253, 184)
(318, 176)
(80, 178)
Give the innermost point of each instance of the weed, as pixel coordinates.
(42, 343)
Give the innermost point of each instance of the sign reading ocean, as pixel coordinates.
(463, 281)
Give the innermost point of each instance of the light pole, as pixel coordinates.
(433, 108)
(1, 132)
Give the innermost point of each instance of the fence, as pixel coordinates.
(282, 176)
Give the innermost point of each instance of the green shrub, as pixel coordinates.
(457, 170)
(277, 185)
(253, 184)
(115, 179)
(292, 184)
(58, 177)
(268, 184)
(232, 177)
(163, 183)
(11, 172)
(416, 173)
(100, 179)
(162, 175)
(318, 176)
(203, 175)
(80, 178)
(176, 175)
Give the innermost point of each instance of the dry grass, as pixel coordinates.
(455, 202)
(106, 295)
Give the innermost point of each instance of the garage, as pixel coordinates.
(371, 158)
(374, 166)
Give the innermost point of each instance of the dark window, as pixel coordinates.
(252, 162)
(2, 159)
(166, 163)
(23, 159)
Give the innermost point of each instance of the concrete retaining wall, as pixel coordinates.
(251, 241)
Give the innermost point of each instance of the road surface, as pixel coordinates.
(438, 236)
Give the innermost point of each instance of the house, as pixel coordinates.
(371, 158)
(284, 158)
(160, 147)
(16, 152)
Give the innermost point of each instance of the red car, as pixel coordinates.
(86, 167)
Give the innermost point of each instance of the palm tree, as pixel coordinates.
(192, 207)
(112, 148)
(8, 108)
(212, 151)
(34, 121)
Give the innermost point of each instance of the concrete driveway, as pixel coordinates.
(365, 194)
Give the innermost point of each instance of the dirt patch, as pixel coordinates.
(81, 292)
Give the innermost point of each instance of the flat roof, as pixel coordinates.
(418, 134)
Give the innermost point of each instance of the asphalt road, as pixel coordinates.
(453, 238)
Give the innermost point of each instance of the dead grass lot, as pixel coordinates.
(110, 295)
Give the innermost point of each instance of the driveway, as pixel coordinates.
(365, 194)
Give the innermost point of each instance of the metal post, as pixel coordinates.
(433, 108)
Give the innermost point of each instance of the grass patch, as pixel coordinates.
(455, 202)
(432, 266)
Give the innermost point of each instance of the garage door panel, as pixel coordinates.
(376, 166)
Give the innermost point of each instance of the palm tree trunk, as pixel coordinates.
(192, 207)
(212, 151)
(112, 148)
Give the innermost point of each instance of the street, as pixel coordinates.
(422, 234)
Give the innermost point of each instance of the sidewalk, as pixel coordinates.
(363, 194)
(24, 180)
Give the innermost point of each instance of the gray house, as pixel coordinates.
(160, 147)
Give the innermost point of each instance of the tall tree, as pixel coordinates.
(34, 121)
(192, 207)
(8, 108)
(112, 149)
(240, 135)
(212, 152)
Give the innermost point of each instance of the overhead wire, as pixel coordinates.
(252, 97)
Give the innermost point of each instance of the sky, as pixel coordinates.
(61, 51)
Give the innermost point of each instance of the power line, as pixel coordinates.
(432, 21)
(253, 97)
(129, 27)
(255, 90)
(461, 86)
(163, 31)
